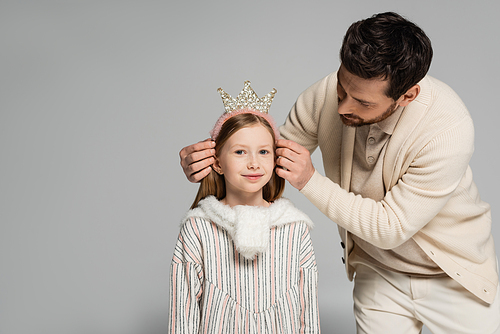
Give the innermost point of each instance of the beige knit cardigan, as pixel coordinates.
(430, 194)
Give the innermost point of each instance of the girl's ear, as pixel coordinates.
(216, 167)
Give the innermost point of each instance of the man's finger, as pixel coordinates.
(197, 177)
(198, 156)
(290, 144)
(198, 166)
(284, 174)
(200, 146)
(286, 153)
(284, 163)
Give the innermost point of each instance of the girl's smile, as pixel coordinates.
(247, 162)
(253, 177)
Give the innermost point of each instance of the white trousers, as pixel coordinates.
(386, 302)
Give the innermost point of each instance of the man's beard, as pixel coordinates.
(356, 121)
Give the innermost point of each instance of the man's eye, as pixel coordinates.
(340, 98)
(340, 94)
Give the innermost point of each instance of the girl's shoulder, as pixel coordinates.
(285, 212)
(208, 210)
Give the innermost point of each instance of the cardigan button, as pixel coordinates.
(343, 260)
(342, 244)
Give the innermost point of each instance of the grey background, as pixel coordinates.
(98, 97)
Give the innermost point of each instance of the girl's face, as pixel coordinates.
(247, 162)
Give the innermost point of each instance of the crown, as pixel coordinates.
(247, 99)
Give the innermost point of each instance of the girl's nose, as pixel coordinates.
(252, 161)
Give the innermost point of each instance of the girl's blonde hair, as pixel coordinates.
(214, 184)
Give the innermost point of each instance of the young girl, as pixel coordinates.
(244, 261)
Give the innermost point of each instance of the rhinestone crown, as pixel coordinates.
(247, 99)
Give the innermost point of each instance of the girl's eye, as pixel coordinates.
(264, 152)
(239, 152)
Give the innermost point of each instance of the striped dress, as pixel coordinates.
(244, 270)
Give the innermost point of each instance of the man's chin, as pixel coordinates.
(352, 122)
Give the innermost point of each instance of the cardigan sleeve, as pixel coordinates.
(186, 282)
(420, 194)
(301, 124)
(309, 314)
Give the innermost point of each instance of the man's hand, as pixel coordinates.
(196, 159)
(296, 162)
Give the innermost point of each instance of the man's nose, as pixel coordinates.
(346, 106)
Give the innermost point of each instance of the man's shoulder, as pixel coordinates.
(437, 109)
(437, 100)
(434, 90)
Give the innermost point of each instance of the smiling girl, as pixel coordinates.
(244, 261)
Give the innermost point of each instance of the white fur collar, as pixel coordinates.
(249, 226)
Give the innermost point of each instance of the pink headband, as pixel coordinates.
(218, 125)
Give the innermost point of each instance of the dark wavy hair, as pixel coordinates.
(389, 47)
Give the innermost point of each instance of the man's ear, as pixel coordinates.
(216, 167)
(410, 95)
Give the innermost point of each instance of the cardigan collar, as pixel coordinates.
(388, 124)
(248, 226)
